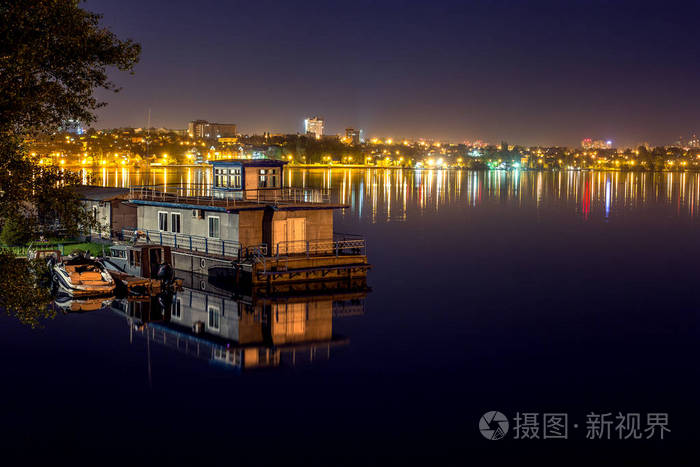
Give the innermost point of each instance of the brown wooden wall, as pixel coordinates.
(319, 225)
(250, 228)
(123, 216)
(319, 222)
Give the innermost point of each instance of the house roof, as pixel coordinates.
(101, 193)
(221, 206)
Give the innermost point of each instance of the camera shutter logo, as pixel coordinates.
(493, 425)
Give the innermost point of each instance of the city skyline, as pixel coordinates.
(541, 73)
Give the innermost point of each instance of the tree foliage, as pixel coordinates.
(53, 54)
(21, 295)
(14, 233)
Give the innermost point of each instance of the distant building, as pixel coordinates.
(352, 135)
(205, 129)
(314, 126)
(73, 126)
(589, 143)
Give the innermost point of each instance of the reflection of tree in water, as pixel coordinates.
(22, 294)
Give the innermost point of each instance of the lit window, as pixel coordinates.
(235, 178)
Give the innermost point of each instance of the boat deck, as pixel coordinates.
(281, 198)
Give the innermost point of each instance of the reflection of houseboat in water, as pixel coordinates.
(244, 332)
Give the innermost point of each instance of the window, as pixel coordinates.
(214, 318)
(162, 221)
(176, 311)
(267, 178)
(117, 253)
(176, 222)
(135, 258)
(214, 227)
(235, 177)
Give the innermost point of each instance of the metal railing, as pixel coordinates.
(193, 243)
(207, 195)
(342, 247)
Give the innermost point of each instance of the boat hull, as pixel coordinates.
(94, 288)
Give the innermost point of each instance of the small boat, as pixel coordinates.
(141, 269)
(81, 275)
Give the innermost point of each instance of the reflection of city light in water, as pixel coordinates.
(394, 194)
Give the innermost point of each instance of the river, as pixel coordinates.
(522, 292)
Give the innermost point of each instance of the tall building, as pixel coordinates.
(314, 126)
(588, 143)
(352, 135)
(205, 129)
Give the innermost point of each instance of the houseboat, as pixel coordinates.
(245, 225)
(109, 207)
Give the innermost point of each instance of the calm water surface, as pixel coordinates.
(566, 292)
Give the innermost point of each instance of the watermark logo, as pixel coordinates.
(493, 425)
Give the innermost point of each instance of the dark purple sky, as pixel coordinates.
(530, 72)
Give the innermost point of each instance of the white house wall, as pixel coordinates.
(189, 224)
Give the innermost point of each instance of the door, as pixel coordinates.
(296, 234)
(289, 235)
(155, 262)
(279, 237)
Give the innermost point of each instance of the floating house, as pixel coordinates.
(110, 207)
(244, 224)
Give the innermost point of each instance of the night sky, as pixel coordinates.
(529, 72)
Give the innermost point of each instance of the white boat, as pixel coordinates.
(80, 275)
